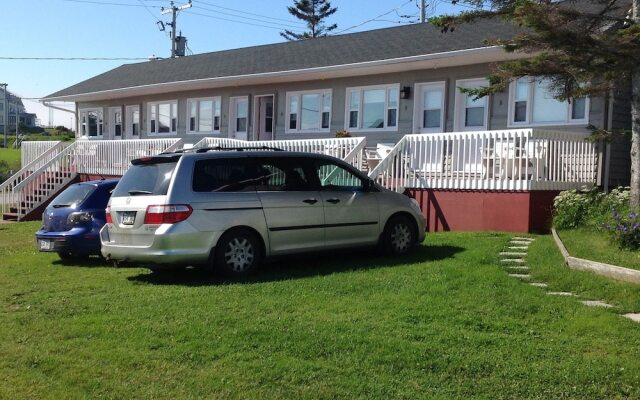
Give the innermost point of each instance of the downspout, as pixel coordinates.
(607, 146)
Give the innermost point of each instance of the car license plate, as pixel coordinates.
(128, 217)
(45, 244)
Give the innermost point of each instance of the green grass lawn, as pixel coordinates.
(11, 157)
(443, 323)
(593, 245)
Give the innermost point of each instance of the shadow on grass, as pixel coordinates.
(301, 266)
(83, 262)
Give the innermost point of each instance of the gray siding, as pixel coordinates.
(498, 104)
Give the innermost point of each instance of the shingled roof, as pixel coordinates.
(375, 45)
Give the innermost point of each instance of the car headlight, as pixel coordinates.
(79, 217)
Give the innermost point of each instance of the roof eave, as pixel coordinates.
(428, 61)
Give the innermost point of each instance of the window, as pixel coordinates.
(204, 115)
(335, 177)
(115, 122)
(284, 175)
(133, 121)
(163, 117)
(224, 175)
(470, 114)
(372, 108)
(429, 116)
(531, 102)
(239, 117)
(91, 123)
(309, 111)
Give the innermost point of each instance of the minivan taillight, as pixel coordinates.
(167, 214)
(108, 215)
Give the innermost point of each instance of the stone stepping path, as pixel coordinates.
(512, 259)
(633, 316)
(560, 294)
(596, 303)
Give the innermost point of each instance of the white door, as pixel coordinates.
(264, 121)
(239, 118)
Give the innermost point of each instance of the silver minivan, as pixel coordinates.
(229, 209)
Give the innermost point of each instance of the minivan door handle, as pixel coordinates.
(310, 201)
(333, 200)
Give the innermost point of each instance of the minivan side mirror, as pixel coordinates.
(368, 185)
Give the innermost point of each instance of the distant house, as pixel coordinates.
(493, 163)
(15, 112)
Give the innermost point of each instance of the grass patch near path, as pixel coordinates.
(11, 157)
(443, 323)
(596, 246)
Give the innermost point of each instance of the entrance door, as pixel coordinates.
(263, 118)
(239, 118)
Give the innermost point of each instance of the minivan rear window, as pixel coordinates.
(73, 196)
(146, 179)
(224, 175)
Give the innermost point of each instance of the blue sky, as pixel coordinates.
(127, 28)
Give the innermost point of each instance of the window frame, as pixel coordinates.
(529, 112)
(300, 93)
(84, 129)
(418, 104)
(128, 121)
(233, 123)
(360, 90)
(112, 124)
(460, 107)
(216, 100)
(157, 104)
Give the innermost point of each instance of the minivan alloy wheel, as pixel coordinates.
(239, 254)
(401, 237)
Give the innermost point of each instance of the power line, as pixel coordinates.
(105, 3)
(374, 18)
(248, 18)
(231, 20)
(249, 13)
(76, 58)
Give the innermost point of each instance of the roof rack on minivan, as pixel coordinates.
(205, 149)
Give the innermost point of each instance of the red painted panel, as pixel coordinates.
(478, 210)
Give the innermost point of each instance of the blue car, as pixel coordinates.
(71, 223)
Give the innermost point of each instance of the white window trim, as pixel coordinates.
(232, 116)
(87, 110)
(128, 121)
(154, 104)
(319, 129)
(361, 89)
(418, 106)
(214, 99)
(460, 106)
(527, 123)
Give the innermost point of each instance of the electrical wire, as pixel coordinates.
(230, 20)
(105, 3)
(75, 58)
(246, 12)
(249, 18)
(374, 18)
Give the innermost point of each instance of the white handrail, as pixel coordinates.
(524, 159)
(33, 150)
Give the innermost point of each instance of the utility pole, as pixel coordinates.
(173, 10)
(5, 113)
(423, 11)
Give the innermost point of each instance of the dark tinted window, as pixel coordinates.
(146, 179)
(73, 196)
(224, 175)
(285, 174)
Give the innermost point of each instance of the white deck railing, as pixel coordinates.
(112, 157)
(349, 150)
(30, 151)
(491, 160)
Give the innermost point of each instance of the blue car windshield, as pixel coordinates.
(73, 196)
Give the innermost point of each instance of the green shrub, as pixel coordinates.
(588, 208)
(625, 229)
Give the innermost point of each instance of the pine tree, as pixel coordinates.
(313, 13)
(586, 47)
